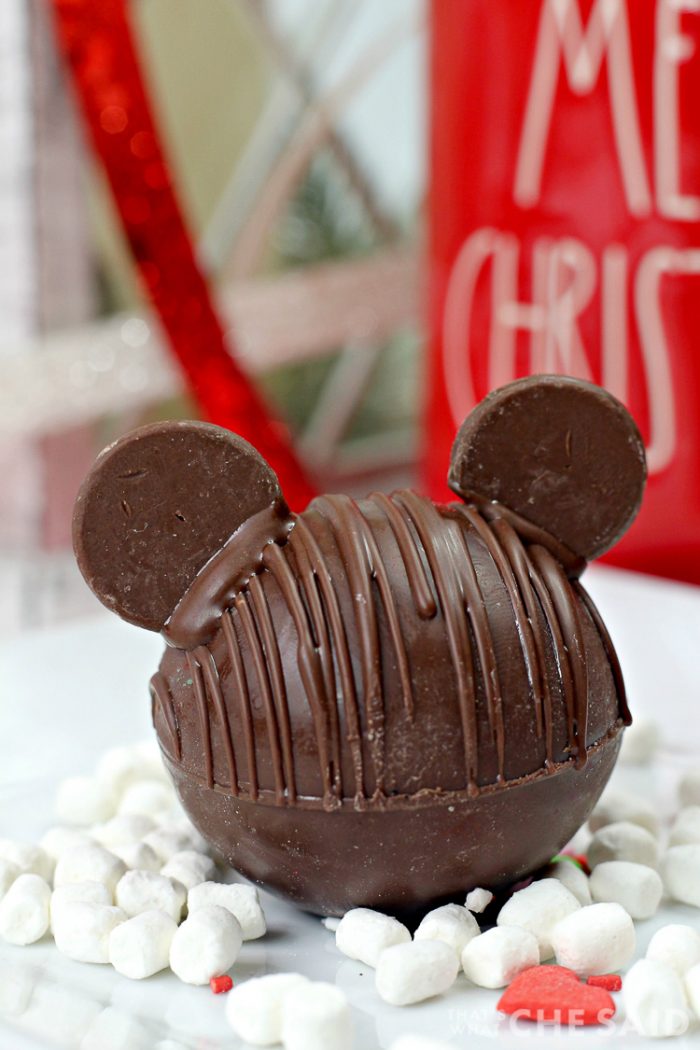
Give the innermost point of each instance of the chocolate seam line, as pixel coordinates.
(426, 796)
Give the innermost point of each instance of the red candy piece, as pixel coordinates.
(555, 994)
(612, 982)
(221, 984)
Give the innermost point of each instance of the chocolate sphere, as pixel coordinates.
(382, 702)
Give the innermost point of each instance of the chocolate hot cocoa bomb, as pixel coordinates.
(383, 702)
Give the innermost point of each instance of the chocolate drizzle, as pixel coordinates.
(334, 554)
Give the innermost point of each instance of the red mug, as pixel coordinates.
(565, 228)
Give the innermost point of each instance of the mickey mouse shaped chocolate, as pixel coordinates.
(381, 702)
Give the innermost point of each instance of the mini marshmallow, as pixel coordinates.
(89, 864)
(30, 859)
(87, 892)
(623, 841)
(24, 910)
(478, 900)
(640, 742)
(316, 1016)
(123, 830)
(254, 1008)
(596, 939)
(692, 988)
(573, 877)
(616, 806)
(139, 891)
(138, 855)
(149, 798)
(8, 873)
(419, 1042)
(115, 1030)
(686, 827)
(330, 922)
(120, 767)
(58, 839)
(169, 840)
(363, 934)
(496, 957)
(83, 801)
(677, 946)
(538, 908)
(410, 973)
(637, 888)
(451, 924)
(190, 868)
(680, 870)
(140, 946)
(689, 788)
(654, 1000)
(81, 930)
(242, 901)
(206, 945)
(195, 840)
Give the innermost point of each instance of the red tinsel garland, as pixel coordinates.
(98, 42)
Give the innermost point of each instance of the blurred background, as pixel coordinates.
(295, 133)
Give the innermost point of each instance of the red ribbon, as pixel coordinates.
(97, 39)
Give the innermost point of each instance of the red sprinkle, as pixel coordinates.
(221, 984)
(555, 994)
(612, 982)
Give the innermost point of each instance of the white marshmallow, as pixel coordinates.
(330, 922)
(242, 901)
(538, 908)
(190, 868)
(573, 877)
(616, 806)
(363, 934)
(88, 892)
(140, 946)
(138, 855)
(680, 870)
(123, 830)
(419, 1042)
(689, 788)
(478, 900)
(640, 742)
(89, 864)
(83, 801)
(60, 838)
(635, 886)
(496, 957)
(676, 945)
(139, 891)
(316, 1016)
(206, 945)
(8, 873)
(81, 930)
(254, 1008)
(24, 910)
(686, 827)
(623, 841)
(120, 767)
(692, 988)
(654, 1000)
(410, 973)
(115, 1030)
(195, 840)
(150, 798)
(451, 924)
(30, 859)
(169, 840)
(596, 939)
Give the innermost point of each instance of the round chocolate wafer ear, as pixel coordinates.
(156, 506)
(562, 453)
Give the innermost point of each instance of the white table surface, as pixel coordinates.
(68, 694)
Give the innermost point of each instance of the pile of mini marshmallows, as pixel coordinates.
(114, 880)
